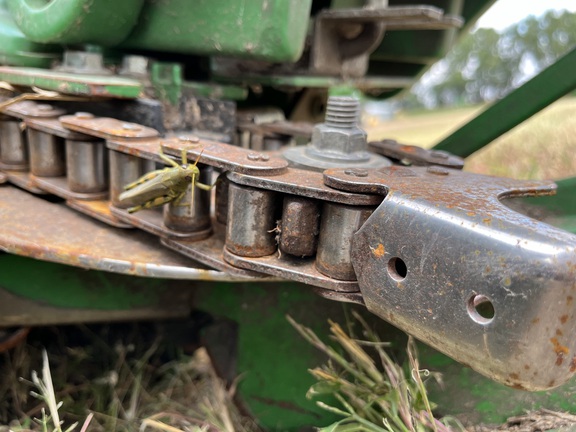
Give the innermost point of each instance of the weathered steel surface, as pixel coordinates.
(152, 221)
(59, 186)
(63, 236)
(98, 209)
(415, 155)
(54, 127)
(226, 156)
(292, 268)
(444, 260)
(23, 180)
(209, 251)
(106, 127)
(30, 109)
(305, 183)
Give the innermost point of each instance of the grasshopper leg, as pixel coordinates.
(156, 202)
(143, 179)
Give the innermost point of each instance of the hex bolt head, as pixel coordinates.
(339, 137)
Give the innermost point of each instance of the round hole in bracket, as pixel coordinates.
(481, 309)
(397, 269)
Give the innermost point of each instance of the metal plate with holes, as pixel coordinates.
(444, 260)
(226, 156)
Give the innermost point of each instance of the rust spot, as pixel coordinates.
(514, 376)
(559, 332)
(551, 383)
(526, 367)
(560, 351)
(379, 251)
(535, 321)
(569, 300)
(559, 348)
(471, 213)
(573, 364)
(563, 319)
(518, 387)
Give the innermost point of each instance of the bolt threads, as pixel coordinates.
(342, 112)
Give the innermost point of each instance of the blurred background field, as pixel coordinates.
(543, 147)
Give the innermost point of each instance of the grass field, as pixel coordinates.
(540, 148)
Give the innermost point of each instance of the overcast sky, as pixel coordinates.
(507, 12)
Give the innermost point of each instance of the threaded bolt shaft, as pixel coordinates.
(342, 112)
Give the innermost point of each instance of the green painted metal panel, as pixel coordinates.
(273, 358)
(259, 29)
(16, 50)
(73, 84)
(104, 22)
(71, 287)
(551, 84)
(476, 399)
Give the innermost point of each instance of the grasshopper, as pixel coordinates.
(163, 186)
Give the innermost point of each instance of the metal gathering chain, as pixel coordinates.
(264, 218)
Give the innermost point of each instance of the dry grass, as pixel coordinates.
(114, 387)
(542, 147)
(373, 396)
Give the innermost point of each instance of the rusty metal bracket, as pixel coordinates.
(53, 126)
(31, 109)
(226, 157)
(106, 128)
(344, 38)
(443, 259)
(305, 183)
(414, 155)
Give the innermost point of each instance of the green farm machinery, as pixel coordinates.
(305, 217)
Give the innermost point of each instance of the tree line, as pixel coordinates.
(486, 64)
